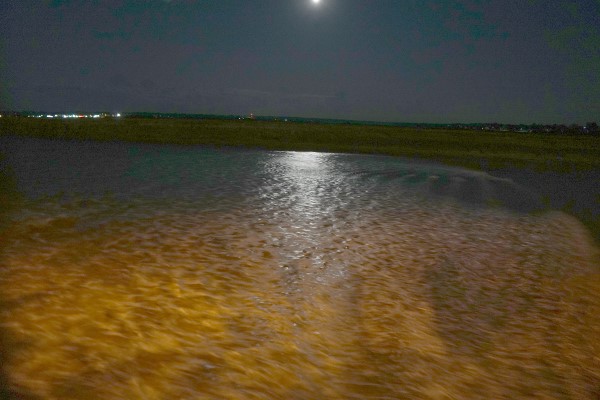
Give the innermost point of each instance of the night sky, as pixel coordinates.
(508, 61)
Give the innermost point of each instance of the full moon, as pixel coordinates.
(316, 1)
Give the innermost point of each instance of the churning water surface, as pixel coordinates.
(165, 272)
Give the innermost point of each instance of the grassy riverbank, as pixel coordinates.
(463, 148)
(471, 149)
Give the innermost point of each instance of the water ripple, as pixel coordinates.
(196, 273)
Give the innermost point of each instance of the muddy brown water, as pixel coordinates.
(164, 272)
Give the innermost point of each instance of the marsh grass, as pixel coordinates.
(470, 149)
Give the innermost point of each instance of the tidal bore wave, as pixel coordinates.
(178, 273)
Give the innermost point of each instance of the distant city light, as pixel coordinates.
(68, 116)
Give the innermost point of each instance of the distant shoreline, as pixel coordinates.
(589, 129)
(465, 148)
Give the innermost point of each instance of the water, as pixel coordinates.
(163, 272)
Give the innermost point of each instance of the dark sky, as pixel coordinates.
(514, 61)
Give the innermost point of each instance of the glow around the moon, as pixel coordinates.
(316, 1)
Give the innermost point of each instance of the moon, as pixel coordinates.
(316, 1)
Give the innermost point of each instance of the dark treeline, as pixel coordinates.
(590, 128)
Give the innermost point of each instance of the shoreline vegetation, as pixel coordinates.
(479, 150)
(464, 148)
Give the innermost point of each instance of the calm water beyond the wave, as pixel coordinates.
(132, 271)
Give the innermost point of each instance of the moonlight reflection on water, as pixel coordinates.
(178, 272)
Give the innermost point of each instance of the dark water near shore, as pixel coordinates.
(159, 272)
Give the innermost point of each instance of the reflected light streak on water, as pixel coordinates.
(155, 272)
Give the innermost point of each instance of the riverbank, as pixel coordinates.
(573, 157)
(461, 148)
